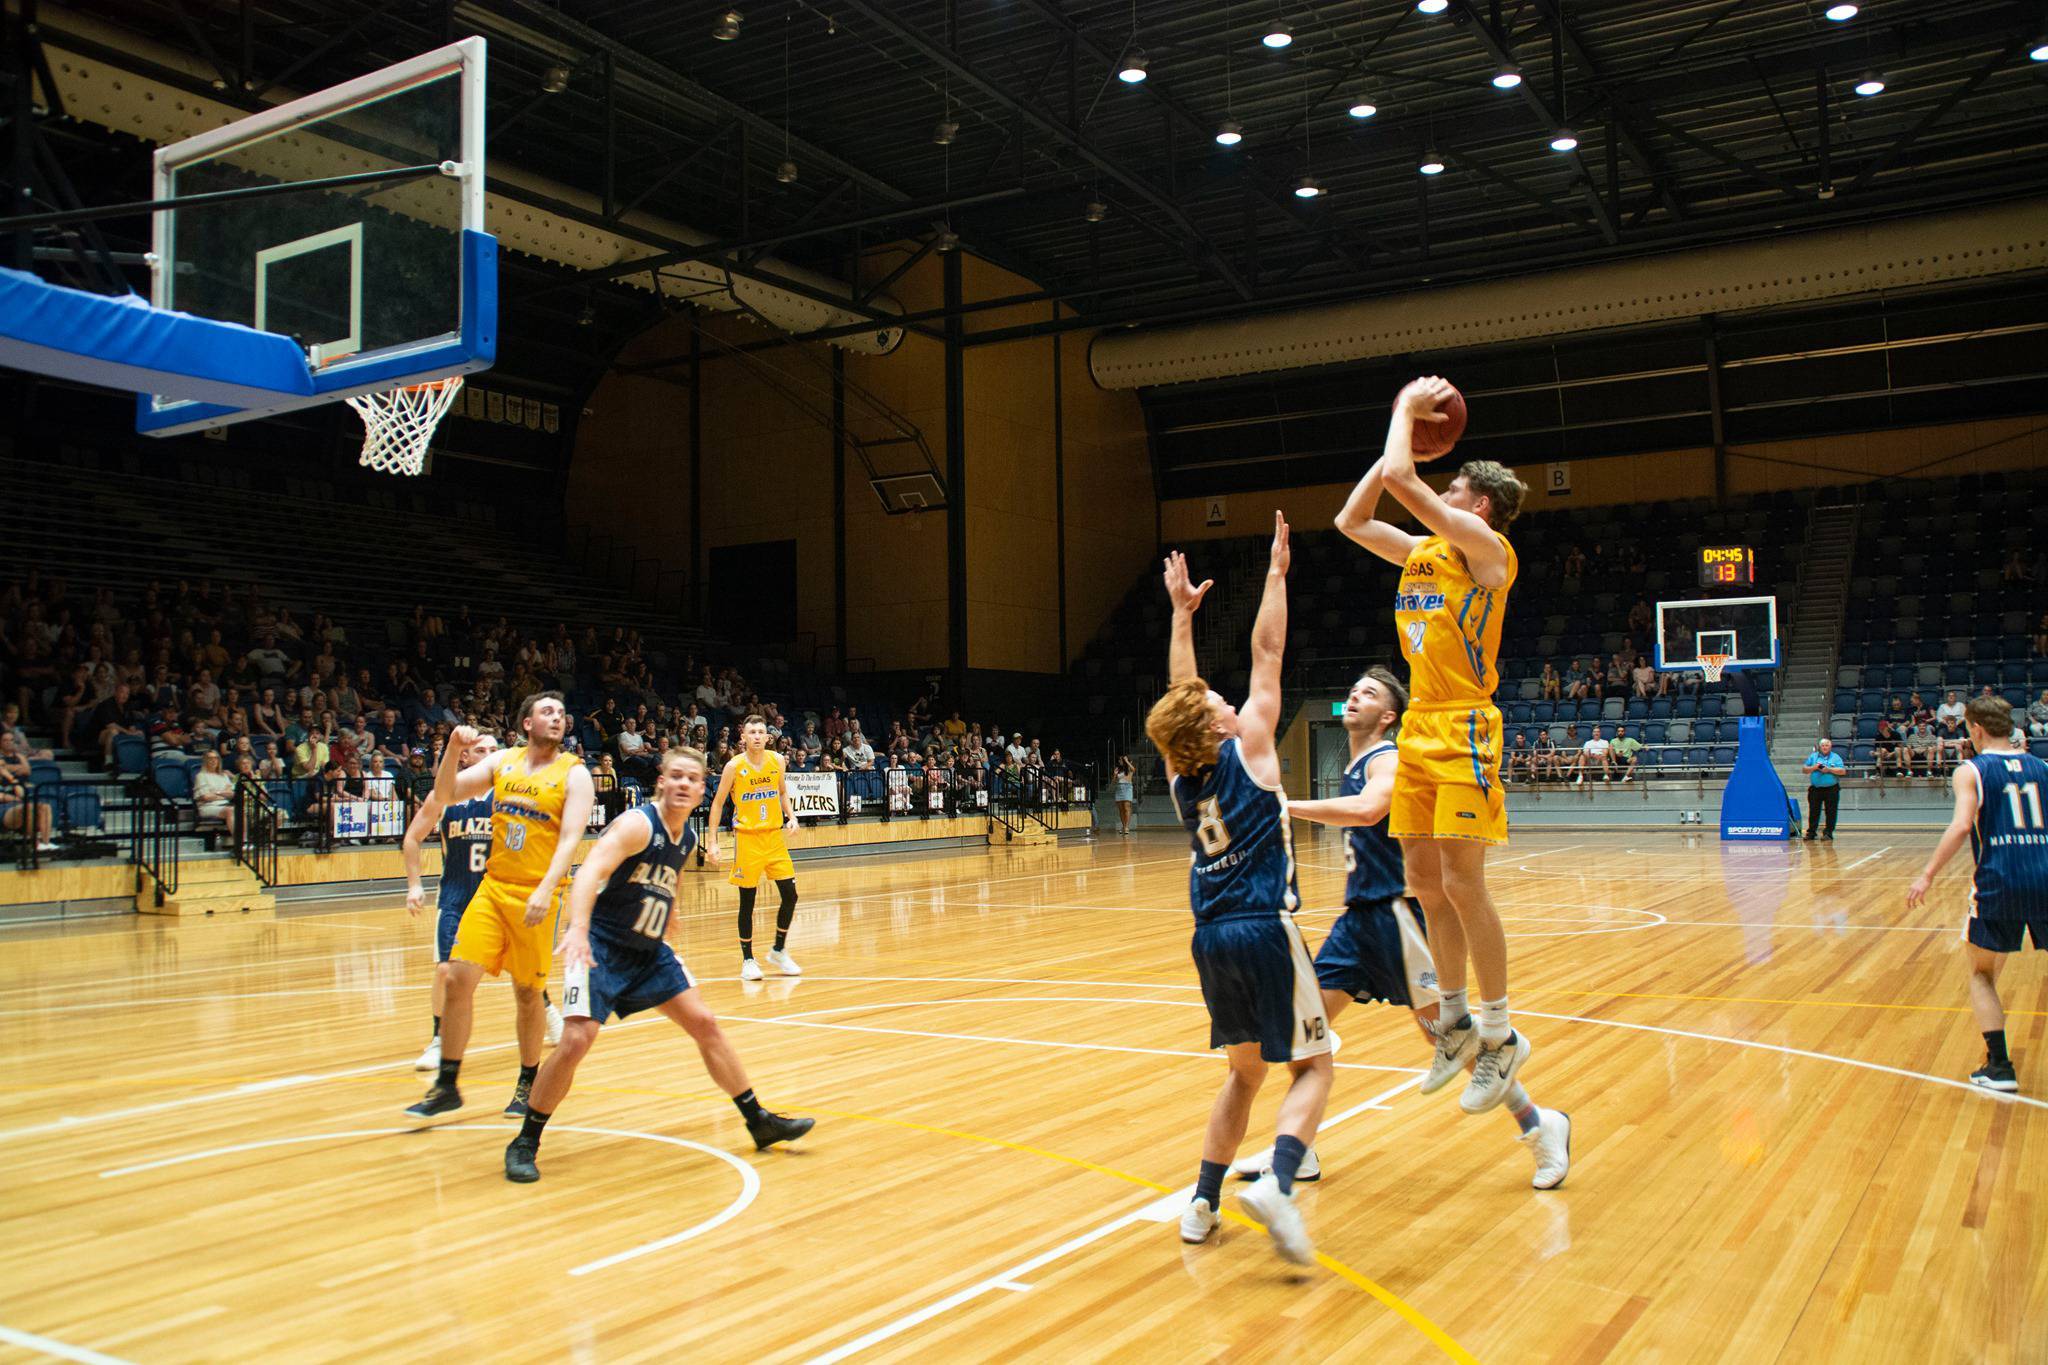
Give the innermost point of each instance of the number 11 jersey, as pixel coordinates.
(2010, 838)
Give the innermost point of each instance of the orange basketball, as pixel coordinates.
(1434, 438)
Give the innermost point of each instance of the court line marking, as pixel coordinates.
(62, 1349)
(1007, 1278)
(111, 981)
(1771, 1000)
(2002, 1097)
(750, 1181)
(1866, 858)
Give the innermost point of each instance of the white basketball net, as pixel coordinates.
(399, 424)
(1712, 664)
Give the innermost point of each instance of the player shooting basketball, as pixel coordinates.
(1447, 804)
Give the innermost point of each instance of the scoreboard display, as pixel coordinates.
(1725, 565)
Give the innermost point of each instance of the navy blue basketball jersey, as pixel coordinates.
(1243, 860)
(642, 891)
(2010, 837)
(1372, 861)
(465, 847)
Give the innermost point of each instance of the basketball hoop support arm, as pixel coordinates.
(193, 201)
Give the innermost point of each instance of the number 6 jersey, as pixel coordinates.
(465, 847)
(1243, 861)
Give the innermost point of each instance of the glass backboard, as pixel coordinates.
(380, 284)
(1743, 628)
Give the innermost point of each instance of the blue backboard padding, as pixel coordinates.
(1753, 803)
(473, 348)
(124, 343)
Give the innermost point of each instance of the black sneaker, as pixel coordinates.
(439, 1099)
(519, 1167)
(1996, 1076)
(770, 1129)
(517, 1108)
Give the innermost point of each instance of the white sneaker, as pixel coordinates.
(1453, 1050)
(1493, 1072)
(783, 962)
(1282, 1219)
(554, 1030)
(430, 1060)
(1198, 1222)
(1550, 1142)
(750, 970)
(1258, 1163)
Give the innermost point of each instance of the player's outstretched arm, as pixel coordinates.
(1186, 597)
(415, 836)
(718, 808)
(1260, 714)
(576, 804)
(453, 783)
(1359, 519)
(628, 835)
(1483, 551)
(1369, 807)
(1968, 794)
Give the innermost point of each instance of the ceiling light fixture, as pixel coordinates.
(556, 80)
(1363, 108)
(1841, 14)
(1432, 6)
(1096, 211)
(1308, 187)
(1564, 140)
(1432, 164)
(1277, 36)
(785, 174)
(946, 239)
(1508, 77)
(1133, 69)
(945, 132)
(1871, 84)
(2040, 52)
(1229, 133)
(728, 26)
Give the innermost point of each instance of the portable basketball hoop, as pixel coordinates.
(399, 424)
(1710, 664)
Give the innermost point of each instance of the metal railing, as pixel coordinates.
(86, 819)
(255, 830)
(154, 839)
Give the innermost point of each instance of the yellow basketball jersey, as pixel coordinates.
(526, 817)
(757, 794)
(1450, 626)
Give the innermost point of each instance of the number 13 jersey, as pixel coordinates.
(1243, 846)
(1450, 626)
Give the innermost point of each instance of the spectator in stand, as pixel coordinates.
(631, 746)
(32, 819)
(1641, 618)
(10, 723)
(1644, 679)
(1574, 569)
(1569, 751)
(2041, 636)
(213, 793)
(2037, 716)
(860, 755)
(1895, 712)
(2016, 570)
(1596, 753)
(1543, 757)
(1577, 683)
(833, 758)
(272, 665)
(1627, 749)
(1824, 770)
(1923, 752)
(1017, 750)
(116, 716)
(1952, 741)
(1951, 709)
(1919, 711)
(74, 701)
(955, 727)
(1596, 679)
(1890, 749)
(311, 756)
(320, 801)
(810, 740)
(1521, 764)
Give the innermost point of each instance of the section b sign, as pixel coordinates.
(813, 795)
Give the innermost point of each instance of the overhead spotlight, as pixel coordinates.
(1841, 14)
(1133, 70)
(1363, 108)
(1277, 36)
(728, 26)
(786, 173)
(1096, 211)
(1432, 164)
(1508, 77)
(1564, 140)
(1432, 6)
(1229, 133)
(1308, 187)
(1871, 84)
(946, 240)
(2040, 52)
(555, 80)
(945, 132)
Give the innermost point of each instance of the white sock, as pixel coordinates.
(1450, 1009)
(1493, 1022)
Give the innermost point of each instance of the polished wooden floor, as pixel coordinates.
(203, 1157)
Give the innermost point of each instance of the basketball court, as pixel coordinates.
(1774, 1157)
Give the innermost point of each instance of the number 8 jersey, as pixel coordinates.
(2010, 838)
(1243, 862)
(632, 911)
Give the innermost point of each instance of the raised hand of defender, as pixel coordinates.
(1185, 597)
(462, 736)
(1282, 556)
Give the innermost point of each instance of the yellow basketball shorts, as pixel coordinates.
(1448, 784)
(495, 936)
(757, 854)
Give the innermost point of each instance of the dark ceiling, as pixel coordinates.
(1698, 120)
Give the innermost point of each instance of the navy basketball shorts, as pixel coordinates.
(2006, 935)
(1379, 951)
(622, 980)
(445, 926)
(1260, 987)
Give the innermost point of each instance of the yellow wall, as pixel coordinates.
(767, 475)
(1919, 452)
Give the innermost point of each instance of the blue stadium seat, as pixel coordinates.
(131, 755)
(1521, 712)
(1866, 727)
(82, 809)
(1653, 732)
(1687, 707)
(1845, 699)
(1697, 759)
(1544, 712)
(1638, 709)
(43, 771)
(1713, 704)
(1660, 708)
(174, 777)
(1864, 756)
(262, 746)
(282, 796)
(1724, 756)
